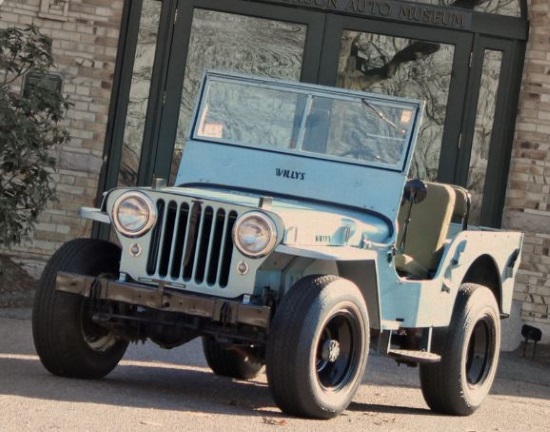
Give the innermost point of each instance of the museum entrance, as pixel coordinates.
(468, 80)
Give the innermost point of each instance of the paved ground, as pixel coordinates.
(159, 390)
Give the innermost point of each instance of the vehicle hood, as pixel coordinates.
(306, 223)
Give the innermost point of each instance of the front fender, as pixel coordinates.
(354, 264)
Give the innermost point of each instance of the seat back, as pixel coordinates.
(428, 226)
(462, 206)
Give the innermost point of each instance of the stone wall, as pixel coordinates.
(528, 195)
(85, 38)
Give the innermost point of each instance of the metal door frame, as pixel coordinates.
(500, 148)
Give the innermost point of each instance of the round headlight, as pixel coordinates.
(134, 214)
(255, 234)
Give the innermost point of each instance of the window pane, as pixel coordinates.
(485, 116)
(236, 43)
(139, 92)
(344, 127)
(365, 131)
(403, 67)
(250, 115)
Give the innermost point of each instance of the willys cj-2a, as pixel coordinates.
(293, 239)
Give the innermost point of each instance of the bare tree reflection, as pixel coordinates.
(139, 93)
(404, 67)
(500, 7)
(423, 70)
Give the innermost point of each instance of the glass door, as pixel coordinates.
(232, 36)
(411, 62)
(485, 147)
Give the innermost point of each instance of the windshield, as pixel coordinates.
(357, 128)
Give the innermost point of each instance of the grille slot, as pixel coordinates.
(191, 242)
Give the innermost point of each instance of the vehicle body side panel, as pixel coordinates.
(426, 303)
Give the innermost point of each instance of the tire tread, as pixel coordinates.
(440, 388)
(50, 308)
(284, 345)
(229, 363)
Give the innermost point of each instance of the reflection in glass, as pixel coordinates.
(350, 128)
(499, 7)
(139, 92)
(403, 67)
(250, 115)
(485, 116)
(368, 131)
(229, 42)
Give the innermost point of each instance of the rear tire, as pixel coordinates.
(317, 347)
(229, 362)
(66, 339)
(469, 349)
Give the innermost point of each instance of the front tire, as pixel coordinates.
(66, 339)
(318, 347)
(469, 349)
(229, 362)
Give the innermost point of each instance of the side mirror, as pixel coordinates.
(415, 191)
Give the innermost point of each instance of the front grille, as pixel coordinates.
(191, 242)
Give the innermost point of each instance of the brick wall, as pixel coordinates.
(528, 196)
(85, 37)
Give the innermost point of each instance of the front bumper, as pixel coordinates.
(227, 312)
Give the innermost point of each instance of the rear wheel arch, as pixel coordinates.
(484, 271)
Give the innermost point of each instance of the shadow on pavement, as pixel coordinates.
(388, 409)
(179, 379)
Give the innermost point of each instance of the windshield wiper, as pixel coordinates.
(379, 114)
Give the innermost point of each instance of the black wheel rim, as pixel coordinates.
(97, 338)
(338, 351)
(480, 352)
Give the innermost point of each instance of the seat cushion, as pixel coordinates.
(408, 265)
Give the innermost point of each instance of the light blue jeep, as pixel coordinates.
(292, 238)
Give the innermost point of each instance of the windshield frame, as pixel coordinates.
(368, 100)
